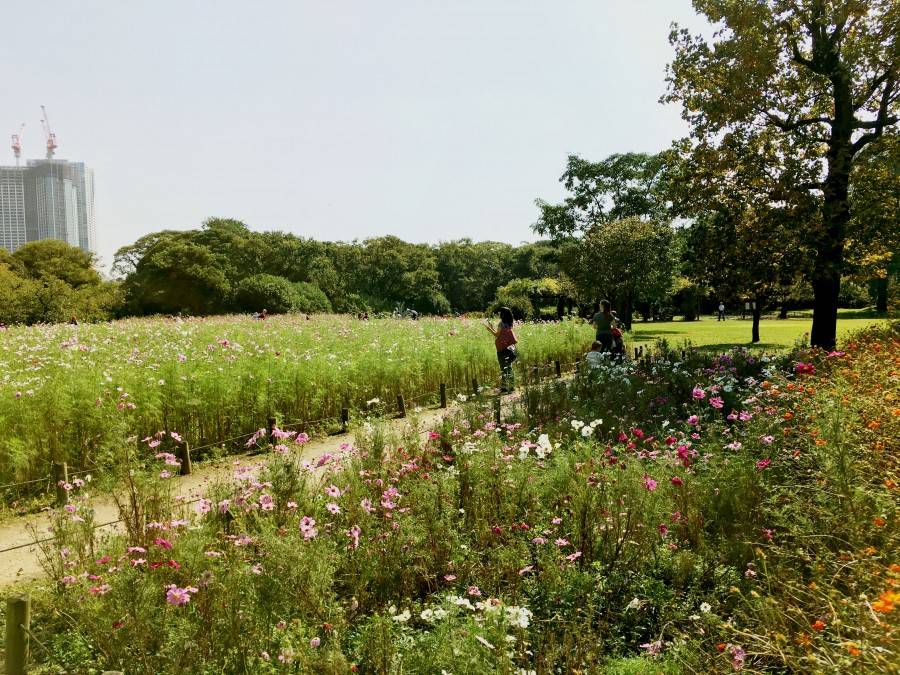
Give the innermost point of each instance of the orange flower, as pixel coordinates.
(821, 441)
(880, 522)
(874, 424)
(720, 647)
(818, 624)
(897, 412)
(870, 550)
(795, 454)
(853, 649)
(788, 415)
(804, 640)
(895, 568)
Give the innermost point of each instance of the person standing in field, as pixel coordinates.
(505, 343)
(721, 311)
(604, 321)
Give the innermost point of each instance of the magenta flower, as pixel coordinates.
(333, 508)
(353, 533)
(649, 483)
(676, 481)
(717, 403)
(163, 543)
(698, 393)
(763, 463)
(693, 420)
(315, 642)
(179, 596)
(572, 557)
(663, 529)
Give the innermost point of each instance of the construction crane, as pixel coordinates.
(17, 143)
(51, 137)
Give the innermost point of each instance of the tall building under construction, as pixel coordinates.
(47, 199)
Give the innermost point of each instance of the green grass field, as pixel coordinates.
(775, 334)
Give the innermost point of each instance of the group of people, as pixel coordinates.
(608, 341)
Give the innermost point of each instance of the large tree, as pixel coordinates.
(630, 185)
(819, 80)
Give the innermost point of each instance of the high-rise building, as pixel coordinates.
(12, 207)
(47, 199)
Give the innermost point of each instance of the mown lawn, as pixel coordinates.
(774, 334)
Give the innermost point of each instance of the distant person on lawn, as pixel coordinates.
(605, 321)
(505, 343)
(721, 311)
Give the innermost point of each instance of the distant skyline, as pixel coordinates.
(427, 120)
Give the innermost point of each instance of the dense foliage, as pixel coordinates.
(710, 514)
(224, 266)
(49, 281)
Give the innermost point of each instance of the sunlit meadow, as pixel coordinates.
(76, 393)
(712, 513)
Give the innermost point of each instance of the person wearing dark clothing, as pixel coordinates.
(605, 321)
(505, 343)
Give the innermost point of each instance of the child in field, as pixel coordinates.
(594, 358)
(505, 343)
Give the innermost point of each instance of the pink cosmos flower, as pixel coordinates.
(649, 483)
(717, 403)
(763, 463)
(163, 543)
(179, 596)
(677, 481)
(102, 589)
(474, 591)
(693, 420)
(556, 521)
(767, 440)
(561, 542)
(538, 541)
(449, 577)
(333, 491)
(573, 556)
(301, 438)
(698, 393)
(663, 529)
(315, 642)
(353, 533)
(366, 505)
(333, 508)
(203, 506)
(767, 534)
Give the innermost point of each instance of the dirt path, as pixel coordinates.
(22, 565)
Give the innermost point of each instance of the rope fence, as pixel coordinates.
(383, 409)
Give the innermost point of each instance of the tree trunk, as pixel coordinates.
(757, 311)
(829, 242)
(784, 311)
(880, 286)
(560, 307)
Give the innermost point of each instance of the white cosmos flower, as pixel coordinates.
(705, 607)
(587, 430)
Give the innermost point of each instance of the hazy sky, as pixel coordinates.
(426, 119)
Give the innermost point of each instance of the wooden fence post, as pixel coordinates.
(497, 411)
(401, 406)
(443, 395)
(474, 385)
(558, 368)
(18, 625)
(61, 478)
(635, 353)
(345, 418)
(186, 465)
(270, 426)
(683, 354)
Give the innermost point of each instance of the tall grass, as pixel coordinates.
(75, 393)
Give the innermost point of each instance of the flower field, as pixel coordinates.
(76, 393)
(711, 514)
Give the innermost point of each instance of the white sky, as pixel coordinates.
(427, 119)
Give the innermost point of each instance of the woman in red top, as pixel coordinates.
(505, 343)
